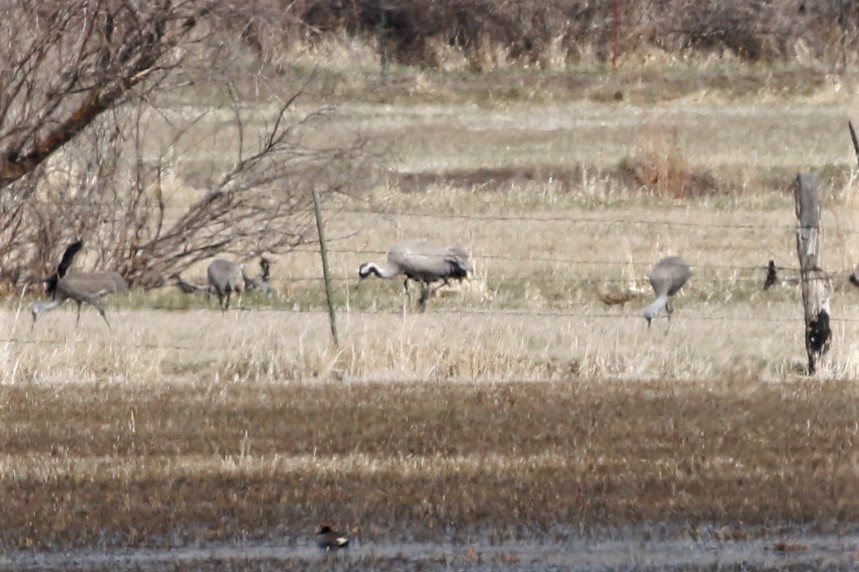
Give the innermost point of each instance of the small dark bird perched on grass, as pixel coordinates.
(327, 539)
(854, 277)
(772, 276)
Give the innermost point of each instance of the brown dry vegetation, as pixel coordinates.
(491, 34)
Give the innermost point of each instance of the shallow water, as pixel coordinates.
(794, 551)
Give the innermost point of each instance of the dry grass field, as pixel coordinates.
(518, 406)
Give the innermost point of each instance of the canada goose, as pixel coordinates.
(667, 277)
(327, 539)
(225, 277)
(423, 262)
(82, 287)
(262, 282)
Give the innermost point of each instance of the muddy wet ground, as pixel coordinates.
(629, 550)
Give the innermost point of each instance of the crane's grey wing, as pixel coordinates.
(119, 283)
(669, 275)
(423, 260)
(459, 260)
(93, 284)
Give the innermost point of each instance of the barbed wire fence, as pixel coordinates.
(577, 271)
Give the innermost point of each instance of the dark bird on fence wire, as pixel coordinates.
(612, 295)
(854, 276)
(423, 262)
(667, 277)
(225, 278)
(81, 287)
(327, 539)
(772, 276)
(262, 282)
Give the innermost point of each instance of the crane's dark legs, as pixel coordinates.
(425, 292)
(103, 315)
(408, 295)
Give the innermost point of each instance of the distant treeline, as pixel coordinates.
(553, 33)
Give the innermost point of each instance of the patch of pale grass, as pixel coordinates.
(129, 469)
(705, 340)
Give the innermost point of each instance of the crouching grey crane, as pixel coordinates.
(667, 277)
(262, 282)
(225, 277)
(82, 287)
(423, 262)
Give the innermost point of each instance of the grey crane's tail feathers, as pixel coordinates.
(188, 287)
(63, 267)
(460, 262)
(69, 257)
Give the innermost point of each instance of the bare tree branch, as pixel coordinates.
(90, 78)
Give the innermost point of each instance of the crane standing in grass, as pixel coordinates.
(225, 277)
(82, 287)
(667, 277)
(423, 262)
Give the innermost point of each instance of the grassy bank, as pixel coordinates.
(133, 466)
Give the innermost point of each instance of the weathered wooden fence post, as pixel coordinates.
(814, 281)
(323, 250)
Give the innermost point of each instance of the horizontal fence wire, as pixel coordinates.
(748, 274)
(566, 219)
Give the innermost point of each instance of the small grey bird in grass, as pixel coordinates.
(82, 287)
(328, 539)
(423, 262)
(667, 277)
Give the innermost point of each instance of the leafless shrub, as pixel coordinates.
(95, 73)
(502, 33)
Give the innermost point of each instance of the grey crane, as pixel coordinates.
(423, 262)
(225, 277)
(262, 282)
(82, 287)
(667, 277)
